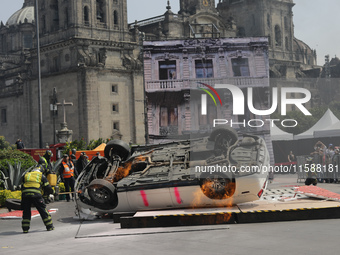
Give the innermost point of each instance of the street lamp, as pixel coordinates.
(39, 74)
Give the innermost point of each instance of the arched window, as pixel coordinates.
(278, 37)
(115, 17)
(86, 16)
(100, 10)
(287, 43)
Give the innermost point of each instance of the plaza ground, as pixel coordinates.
(102, 236)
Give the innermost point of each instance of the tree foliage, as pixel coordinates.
(4, 144)
(12, 156)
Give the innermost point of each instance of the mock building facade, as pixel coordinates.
(176, 72)
(88, 57)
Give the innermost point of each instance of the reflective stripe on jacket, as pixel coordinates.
(68, 172)
(32, 182)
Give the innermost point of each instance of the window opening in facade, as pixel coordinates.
(86, 16)
(116, 125)
(115, 17)
(114, 88)
(115, 107)
(204, 68)
(100, 11)
(27, 39)
(240, 67)
(168, 116)
(278, 37)
(167, 70)
(3, 116)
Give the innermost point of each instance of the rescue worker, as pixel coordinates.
(67, 172)
(32, 185)
(45, 162)
(73, 154)
(73, 158)
(82, 162)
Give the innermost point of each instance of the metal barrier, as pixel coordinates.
(328, 171)
(300, 163)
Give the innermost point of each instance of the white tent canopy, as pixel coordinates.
(279, 135)
(327, 120)
(331, 131)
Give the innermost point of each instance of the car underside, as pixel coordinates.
(203, 172)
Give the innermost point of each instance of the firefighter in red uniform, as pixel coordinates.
(33, 182)
(67, 172)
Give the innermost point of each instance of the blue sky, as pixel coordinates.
(317, 22)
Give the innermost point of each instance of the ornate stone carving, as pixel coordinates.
(202, 42)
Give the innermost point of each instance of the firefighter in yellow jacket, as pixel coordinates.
(33, 183)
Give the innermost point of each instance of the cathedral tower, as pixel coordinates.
(193, 6)
(273, 19)
(104, 19)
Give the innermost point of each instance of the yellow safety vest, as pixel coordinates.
(32, 182)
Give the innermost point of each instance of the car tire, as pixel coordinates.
(117, 147)
(224, 137)
(13, 204)
(103, 194)
(217, 186)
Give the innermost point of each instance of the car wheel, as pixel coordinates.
(13, 204)
(117, 147)
(224, 137)
(103, 194)
(217, 186)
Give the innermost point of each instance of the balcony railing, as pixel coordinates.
(184, 84)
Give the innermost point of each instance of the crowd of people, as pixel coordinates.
(325, 155)
(323, 163)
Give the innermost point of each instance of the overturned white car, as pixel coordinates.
(219, 170)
